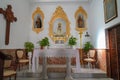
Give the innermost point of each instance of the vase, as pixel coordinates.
(44, 47)
(41, 47)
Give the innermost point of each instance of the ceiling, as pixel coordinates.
(60, 0)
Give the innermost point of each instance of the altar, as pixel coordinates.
(58, 52)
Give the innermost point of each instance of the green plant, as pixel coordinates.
(87, 46)
(72, 41)
(29, 46)
(44, 42)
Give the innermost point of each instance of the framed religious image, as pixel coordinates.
(59, 26)
(81, 19)
(37, 21)
(37, 18)
(110, 10)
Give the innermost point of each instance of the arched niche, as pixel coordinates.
(81, 18)
(37, 18)
(59, 18)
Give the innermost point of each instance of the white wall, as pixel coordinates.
(48, 10)
(19, 31)
(97, 25)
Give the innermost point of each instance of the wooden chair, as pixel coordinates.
(91, 58)
(21, 58)
(9, 70)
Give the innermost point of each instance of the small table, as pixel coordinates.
(58, 52)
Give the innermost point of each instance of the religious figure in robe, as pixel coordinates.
(59, 29)
(80, 21)
(38, 23)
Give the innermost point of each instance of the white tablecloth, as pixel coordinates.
(57, 52)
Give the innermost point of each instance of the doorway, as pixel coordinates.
(113, 54)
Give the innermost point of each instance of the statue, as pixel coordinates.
(59, 29)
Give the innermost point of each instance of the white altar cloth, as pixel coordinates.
(54, 52)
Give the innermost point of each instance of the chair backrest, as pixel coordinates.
(92, 53)
(19, 53)
(7, 63)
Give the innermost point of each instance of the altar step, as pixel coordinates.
(83, 73)
(61, 76)
(77, 75)
(64, 79)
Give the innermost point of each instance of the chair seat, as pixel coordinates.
(23, 61)
(9, 73)
(89, 60)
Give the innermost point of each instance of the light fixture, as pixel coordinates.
(87, 35)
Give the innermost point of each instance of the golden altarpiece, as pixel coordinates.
(59, 26)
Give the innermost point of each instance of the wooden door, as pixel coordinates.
(114, 50)
(118, 49)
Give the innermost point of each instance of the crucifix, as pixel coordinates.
(9, 16)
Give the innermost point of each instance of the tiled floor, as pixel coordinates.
(83, 74)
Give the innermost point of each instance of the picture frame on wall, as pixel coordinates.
(110, 10)
(38, 18)
(81, 19)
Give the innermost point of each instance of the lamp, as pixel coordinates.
(87, 35)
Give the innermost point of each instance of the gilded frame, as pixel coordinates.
(110, 10)
(38, 18)
(59, 14)
(81, 12)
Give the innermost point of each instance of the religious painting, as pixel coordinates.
(110, 10)
(80, 21)
(81, 18)
(37, 21)
(38, 18)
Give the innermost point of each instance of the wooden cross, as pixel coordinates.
(9, 16)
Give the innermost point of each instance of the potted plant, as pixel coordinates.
(44, 42)
(29, 46)
(87, 47)
(72, 41)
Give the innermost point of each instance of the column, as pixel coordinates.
(44, 68)
(68, 72)
(30, 65)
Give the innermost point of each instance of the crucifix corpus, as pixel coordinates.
(9, 17)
